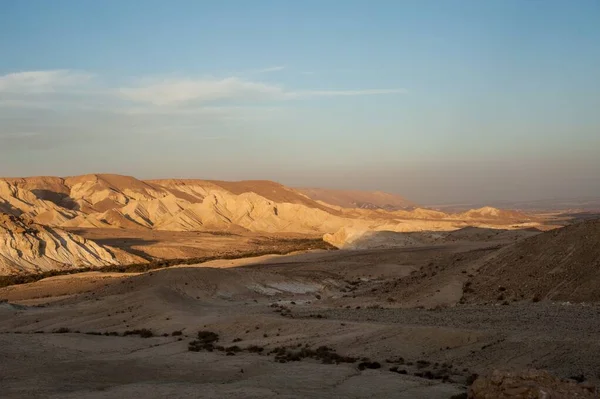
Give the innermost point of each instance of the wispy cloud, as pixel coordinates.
(42, 81)
(186, 91)
(343, 93)
(64, 87)
(270, 69)
(175, 92)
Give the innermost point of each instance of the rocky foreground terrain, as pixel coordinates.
(415, 321)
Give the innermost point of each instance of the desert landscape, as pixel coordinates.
(192, 288)
(299, 199)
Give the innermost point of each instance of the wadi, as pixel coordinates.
(252, 289)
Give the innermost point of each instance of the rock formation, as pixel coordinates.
(28, 247)
(531, 384)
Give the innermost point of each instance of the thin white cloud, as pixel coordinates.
(41, 81)
(200, 110)
(186, 91)
(343, 93)
(73, 90)
(270, 69)
(175, 92)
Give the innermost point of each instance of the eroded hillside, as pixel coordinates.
(28, 247)
(113, 201)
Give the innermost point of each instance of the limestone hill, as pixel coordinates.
(113, 201)
(28, 247)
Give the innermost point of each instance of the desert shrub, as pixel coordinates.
(62, 330)
(233, 348)
(208, 336)
(369, 365)
(422, 364)
(197, 346)
(205, 341)
(255, 349)
(144, 333)
(176, 333)
(323, 353)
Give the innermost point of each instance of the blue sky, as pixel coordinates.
(440, 101)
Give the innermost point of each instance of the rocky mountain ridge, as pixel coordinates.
(114, 201)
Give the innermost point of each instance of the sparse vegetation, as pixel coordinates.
(369, 365)
(255, 349)
(205, 341)
(144, 333)
(279, 247)
(323, 353)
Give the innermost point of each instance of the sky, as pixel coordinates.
(439, 101)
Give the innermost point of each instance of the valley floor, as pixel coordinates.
(384, 305)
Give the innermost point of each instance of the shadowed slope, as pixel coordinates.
(562, 264)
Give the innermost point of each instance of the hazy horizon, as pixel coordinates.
(440, 102)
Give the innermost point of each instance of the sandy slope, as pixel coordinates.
(419, 235)
(562, 265)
